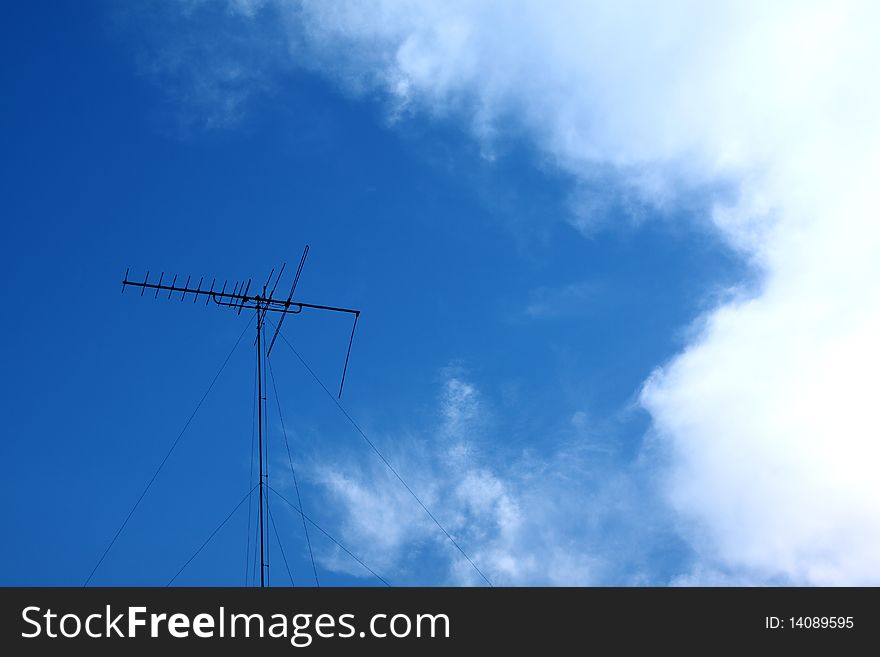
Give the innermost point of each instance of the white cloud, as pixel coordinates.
(567, 518)
(769, 414)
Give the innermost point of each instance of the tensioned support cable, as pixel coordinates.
(281, 547)
(212, 535)
(333, 540)
(165, 460)
(247, 551)
(382, 457)
(292, 470)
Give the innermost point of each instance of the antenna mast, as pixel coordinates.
(263, 565)
(262, 302)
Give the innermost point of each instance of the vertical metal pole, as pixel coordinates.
(260, 425)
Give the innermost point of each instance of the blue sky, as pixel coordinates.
(513, 309)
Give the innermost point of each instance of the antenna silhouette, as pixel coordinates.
(262, 302)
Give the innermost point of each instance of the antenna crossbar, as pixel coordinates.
(236, 300)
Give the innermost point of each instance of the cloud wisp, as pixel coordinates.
(572, 516)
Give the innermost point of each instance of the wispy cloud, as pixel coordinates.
(574, 516)
(213, 58)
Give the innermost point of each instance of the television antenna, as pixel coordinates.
(262, 301)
